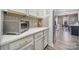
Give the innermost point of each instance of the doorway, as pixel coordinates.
(63, 39)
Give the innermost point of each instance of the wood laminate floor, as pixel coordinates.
(65, 41)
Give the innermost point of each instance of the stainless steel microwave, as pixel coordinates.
(14, 25)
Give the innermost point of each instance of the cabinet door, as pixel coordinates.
(27, 12)
(40, 13)
(39, 44)
(32, 12)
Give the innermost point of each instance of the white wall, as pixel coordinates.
(50, 41)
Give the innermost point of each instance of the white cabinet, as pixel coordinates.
(19, 10)
(40, 13)
(45, 38)
(37, 41)
(32, 12)
(39, 44)
(23, 43)
(20, 43)
(14, 45)
(38, 35)
(27, 12)
(29, 46)
(4, 47)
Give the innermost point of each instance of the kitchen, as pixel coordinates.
(39, 29)
(26, 29)
(66, 33)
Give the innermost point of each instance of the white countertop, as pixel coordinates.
(76, 24)
(10, 38)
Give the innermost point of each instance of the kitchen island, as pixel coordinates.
(33, 39)
(75, 29)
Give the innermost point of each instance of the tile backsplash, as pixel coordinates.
(33, 22)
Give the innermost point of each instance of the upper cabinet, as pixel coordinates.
(42, 13)
(19, 10)
(32, 12)
(16, 11)
(38, 13)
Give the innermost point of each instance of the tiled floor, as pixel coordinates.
(65, 41)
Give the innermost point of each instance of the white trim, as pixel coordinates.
(50, 41)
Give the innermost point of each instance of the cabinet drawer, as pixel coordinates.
(26, 40)
(45, 42)
(20, 43)
(29, 46)
(39, 44)
(37, 35)
(5, 47)
(45, 36)
(14, 45)
(46, 31)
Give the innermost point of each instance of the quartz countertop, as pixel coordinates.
(10, 38)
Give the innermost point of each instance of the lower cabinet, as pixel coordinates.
(20, 43)
(29, 46)
(36, 41)
(45, 41)
(14, 45)
(4, 47)
(45, 38)
(39, 44)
